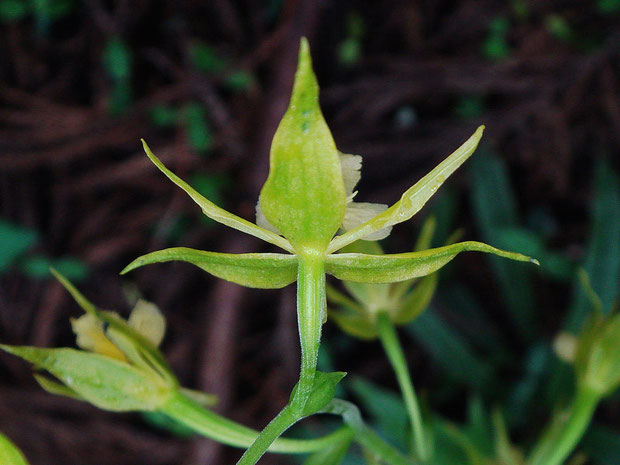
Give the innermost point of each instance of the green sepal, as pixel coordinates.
(258, 270)
(414, 198)
(414, 303)
(9, 453)
(304, 196)
(356, 325)
(216, 213)
(55, 388)
(323, 391)
(399, 267)
(139, 342)
(105, 382)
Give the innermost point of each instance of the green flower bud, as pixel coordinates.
(120, 368)
(597, 360)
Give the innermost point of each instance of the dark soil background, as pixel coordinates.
(205, 83)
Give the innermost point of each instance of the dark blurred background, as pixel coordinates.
(403, 84)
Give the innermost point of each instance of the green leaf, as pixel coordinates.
(304, 196)
(398, 267)
(450, 351)
(197, 129)
(602, 262)
(216, 213)
(13, 10)
(15, 241)
(323, 391)
(205, 58)
(495, 209)
(38, 266)
(602, 444)
(385, 408)
(259, 270)
(331, 455)
(239, 80)
(414, 198)
(164, 116)
(103, 381)
(117, 59)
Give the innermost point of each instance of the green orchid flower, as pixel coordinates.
(306, 200)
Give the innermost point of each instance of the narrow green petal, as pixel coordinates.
(398, 267)
(9, 453)
(304, 195)
(55, 388)
(104, 382)
(259, 270)
(417, 300)
(216, 213)
(413, 199)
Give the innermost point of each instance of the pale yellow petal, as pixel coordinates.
(351, 166)
(359, 212)
(147, 320)
(90, 336)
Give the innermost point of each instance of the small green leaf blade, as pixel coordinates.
(9, 453)
(304, 196)
(257, 270)
(103, 381)
(414, 198)
(16, 240)
(399, 267)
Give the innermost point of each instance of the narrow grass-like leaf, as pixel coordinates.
(414, 198)
(103, 381)
(451, 352)
(216, 213)
(259, 270)
(602, 262)
(494, 208)
(398, 267)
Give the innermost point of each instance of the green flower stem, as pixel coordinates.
(311, 304)
(310, 312)
(365, 436)
(225, 431)
(283, 421)
(558, 446)
(394, 351)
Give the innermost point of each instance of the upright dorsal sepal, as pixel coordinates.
(304, 196)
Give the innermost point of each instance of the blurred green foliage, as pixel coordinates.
(495, 47)
(350, 49)
(16, 241)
